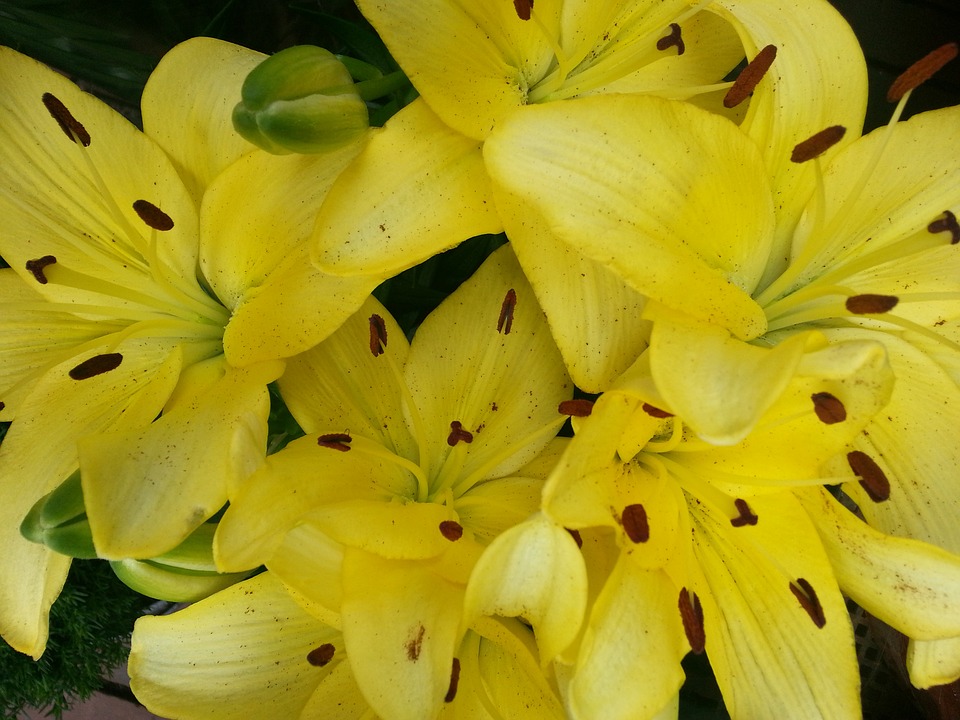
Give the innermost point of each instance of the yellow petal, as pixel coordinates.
(310, 562)
(933, 662)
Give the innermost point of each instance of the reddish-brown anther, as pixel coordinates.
(71, 127)
(320, 656)
(575, 534)
(872, 477)
(458, 434)
(335, 441)
(746, 516)
(750, 77)
(578, 407)
(378, 335)
(153, 216)
(97, 365)
(870, 304)
(816, 145)
(921, 71)
(635, 525)
(947, 223)
(674, 39)
(454, 681)
(505, 321)
(523, 8)
(36, 267)
(828, 408)
(451, 530)
(654, 411)
(807, 597)
(691, 614)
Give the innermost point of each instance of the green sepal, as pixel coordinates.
(165, 583)
(59, 521)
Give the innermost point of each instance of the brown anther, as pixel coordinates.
(869, 304)
(71, 127)
(872, 477)
(505, 321)
(817, 144)
(947, 223)
(378, 335)
(828, 408)
(674, 39)
(750, 77)
(97, 365)
(335, 441)
(318, 657)
(153, 216)
(807, 597)
(457, 433)
(454, 681)
(921, 71)
(691, 613)
(578, 407)
(635, 525)
(746, 516)
(575, 534)
(36, 267)
(3, 405)
(654, 411)
(451, 530)
(523, 8)
(414, 644)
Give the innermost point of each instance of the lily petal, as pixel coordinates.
(933, 662)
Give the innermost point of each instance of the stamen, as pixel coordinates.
(454, 679)
(153, 216)
(674, 39)
(378, 335)
(921, 71)
(505, 322)
(3, 405)
(457, 433)
(828, 408)
(870, 304)
(451, 530)
(36, 267)
(746, 516)
(948, 223)
(816, 145)
(574, 533)
(750, 77)
(97, 365)
(691, 613)
(523, 8)
(635, 525)
(578, 407)
(656, 412)
(335, 441)
(71, 127)
(318, 657)
(807, 597)
(872, 477)
(414, 644)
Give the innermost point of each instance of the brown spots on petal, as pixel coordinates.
(807, 597)
(635, 525)
(523, 8)
(674, 39)
(71, 127)
(921, 71)
(415, 642)
(870, 304)
(947, 223)
(872, 478)
(578, 407)
(378, 335)
(335, 441)
(458, 434)
(318, 657)
(828, 408)
(36, 267)
(691, 614)
(654, 411)
(451, 530)
(97, 365)
(746, 516)
(454, 681)
(505, 321)
(575, 534)
(153, 216)
(816, 145)
(750, 77)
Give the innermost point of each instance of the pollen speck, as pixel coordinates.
(415, 643)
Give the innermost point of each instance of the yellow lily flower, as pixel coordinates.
(124, 300)
(479, 67)
(417, 455)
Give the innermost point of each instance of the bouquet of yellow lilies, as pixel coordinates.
(702, 391)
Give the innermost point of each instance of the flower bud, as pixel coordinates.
(59, 521)
(300, 100)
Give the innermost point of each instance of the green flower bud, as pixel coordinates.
(59, 521)
(300, 100)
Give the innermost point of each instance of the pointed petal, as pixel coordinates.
(192, 121)
(933, 662)
(417, 188)
(702, 235)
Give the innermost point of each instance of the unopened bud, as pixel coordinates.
(59, 521)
